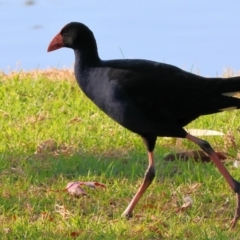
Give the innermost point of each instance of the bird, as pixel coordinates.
(149, 98)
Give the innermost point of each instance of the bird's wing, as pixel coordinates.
(164, 92)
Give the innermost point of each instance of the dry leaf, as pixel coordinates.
(185, 206)
(155, 229)
(192, 188)
(46, 216)
(230, 141)
(195, 186)
(7, 230)
(18, 170)
(93, 184)
(74, 187)
(197, 219)
(226, 203)
(74, 120)
(75, 234)
(112, 203)
(188, 202)
(47, 146)
(50, 147)
(41, 116)
(3, 113)
(62, 211)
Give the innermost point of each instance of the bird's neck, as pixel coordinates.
(87, 57)
(84, 61)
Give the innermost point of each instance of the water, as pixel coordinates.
(200, 36)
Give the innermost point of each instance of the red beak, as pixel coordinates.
(56, 43)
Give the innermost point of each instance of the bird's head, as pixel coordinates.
(74, 35)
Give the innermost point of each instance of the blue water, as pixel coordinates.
(199, 36)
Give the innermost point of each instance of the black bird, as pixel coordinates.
(149, 98)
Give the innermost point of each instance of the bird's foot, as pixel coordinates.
(237, 212)
(127, 214)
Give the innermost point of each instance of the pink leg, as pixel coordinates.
(148, 178)
(231, 181)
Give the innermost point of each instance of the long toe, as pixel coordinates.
(127, 215)
(237, 212)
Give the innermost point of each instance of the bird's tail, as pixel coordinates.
(229, 89)
(230, 86)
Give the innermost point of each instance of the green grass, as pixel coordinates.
(88, 146)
